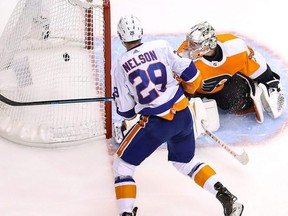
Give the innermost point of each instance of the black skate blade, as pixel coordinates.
(237, 209)
(135, 209)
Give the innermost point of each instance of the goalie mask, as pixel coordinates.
(129, 28)
(201, 39)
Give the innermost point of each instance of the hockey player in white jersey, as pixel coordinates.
(144, 83)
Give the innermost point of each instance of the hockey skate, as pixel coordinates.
(228, 201)
(133, 213)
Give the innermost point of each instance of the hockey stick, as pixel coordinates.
(81, 100)
(242, 158)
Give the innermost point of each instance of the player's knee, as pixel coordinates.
(122, 168)
(185, 168)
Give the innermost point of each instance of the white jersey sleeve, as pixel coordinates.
(143, 79)
(125, 106)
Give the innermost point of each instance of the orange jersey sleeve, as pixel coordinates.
(191, 87)
(183, 47)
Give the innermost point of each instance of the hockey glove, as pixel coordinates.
(272, 98)
(118, 131)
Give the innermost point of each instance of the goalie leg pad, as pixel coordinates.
(258, 108)
(212, 115)
(255, 95)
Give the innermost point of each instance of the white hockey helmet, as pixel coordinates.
(201, 39)
(129, 28)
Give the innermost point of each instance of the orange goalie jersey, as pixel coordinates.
(233, 56)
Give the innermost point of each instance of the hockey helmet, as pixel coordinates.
(129, 28)
(201, 39)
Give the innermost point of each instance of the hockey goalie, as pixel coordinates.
(233, 73)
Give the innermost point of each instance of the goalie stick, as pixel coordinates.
(242, 158)
(50, 102)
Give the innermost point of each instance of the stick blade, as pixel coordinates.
(243, 158)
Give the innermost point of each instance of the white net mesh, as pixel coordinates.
(52, 50)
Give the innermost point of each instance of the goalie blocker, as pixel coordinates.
(205, 112)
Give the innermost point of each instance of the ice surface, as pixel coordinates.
(78, 181)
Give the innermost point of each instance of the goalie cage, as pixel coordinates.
(54, 50)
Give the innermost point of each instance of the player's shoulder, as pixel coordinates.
(157, 43)
(226, 37)
(162, 47)
(231, 42)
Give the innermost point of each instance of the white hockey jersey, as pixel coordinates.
(144, 81)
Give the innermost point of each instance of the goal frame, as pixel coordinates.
(107, 56)
(90, 44)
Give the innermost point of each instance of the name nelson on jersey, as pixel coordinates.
(140, 59)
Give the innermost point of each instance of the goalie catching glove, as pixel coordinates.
(272, 98)
(266, 95)
(205, 114)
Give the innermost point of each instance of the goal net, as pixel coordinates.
(56, 50)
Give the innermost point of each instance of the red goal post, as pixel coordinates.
(56, 50)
